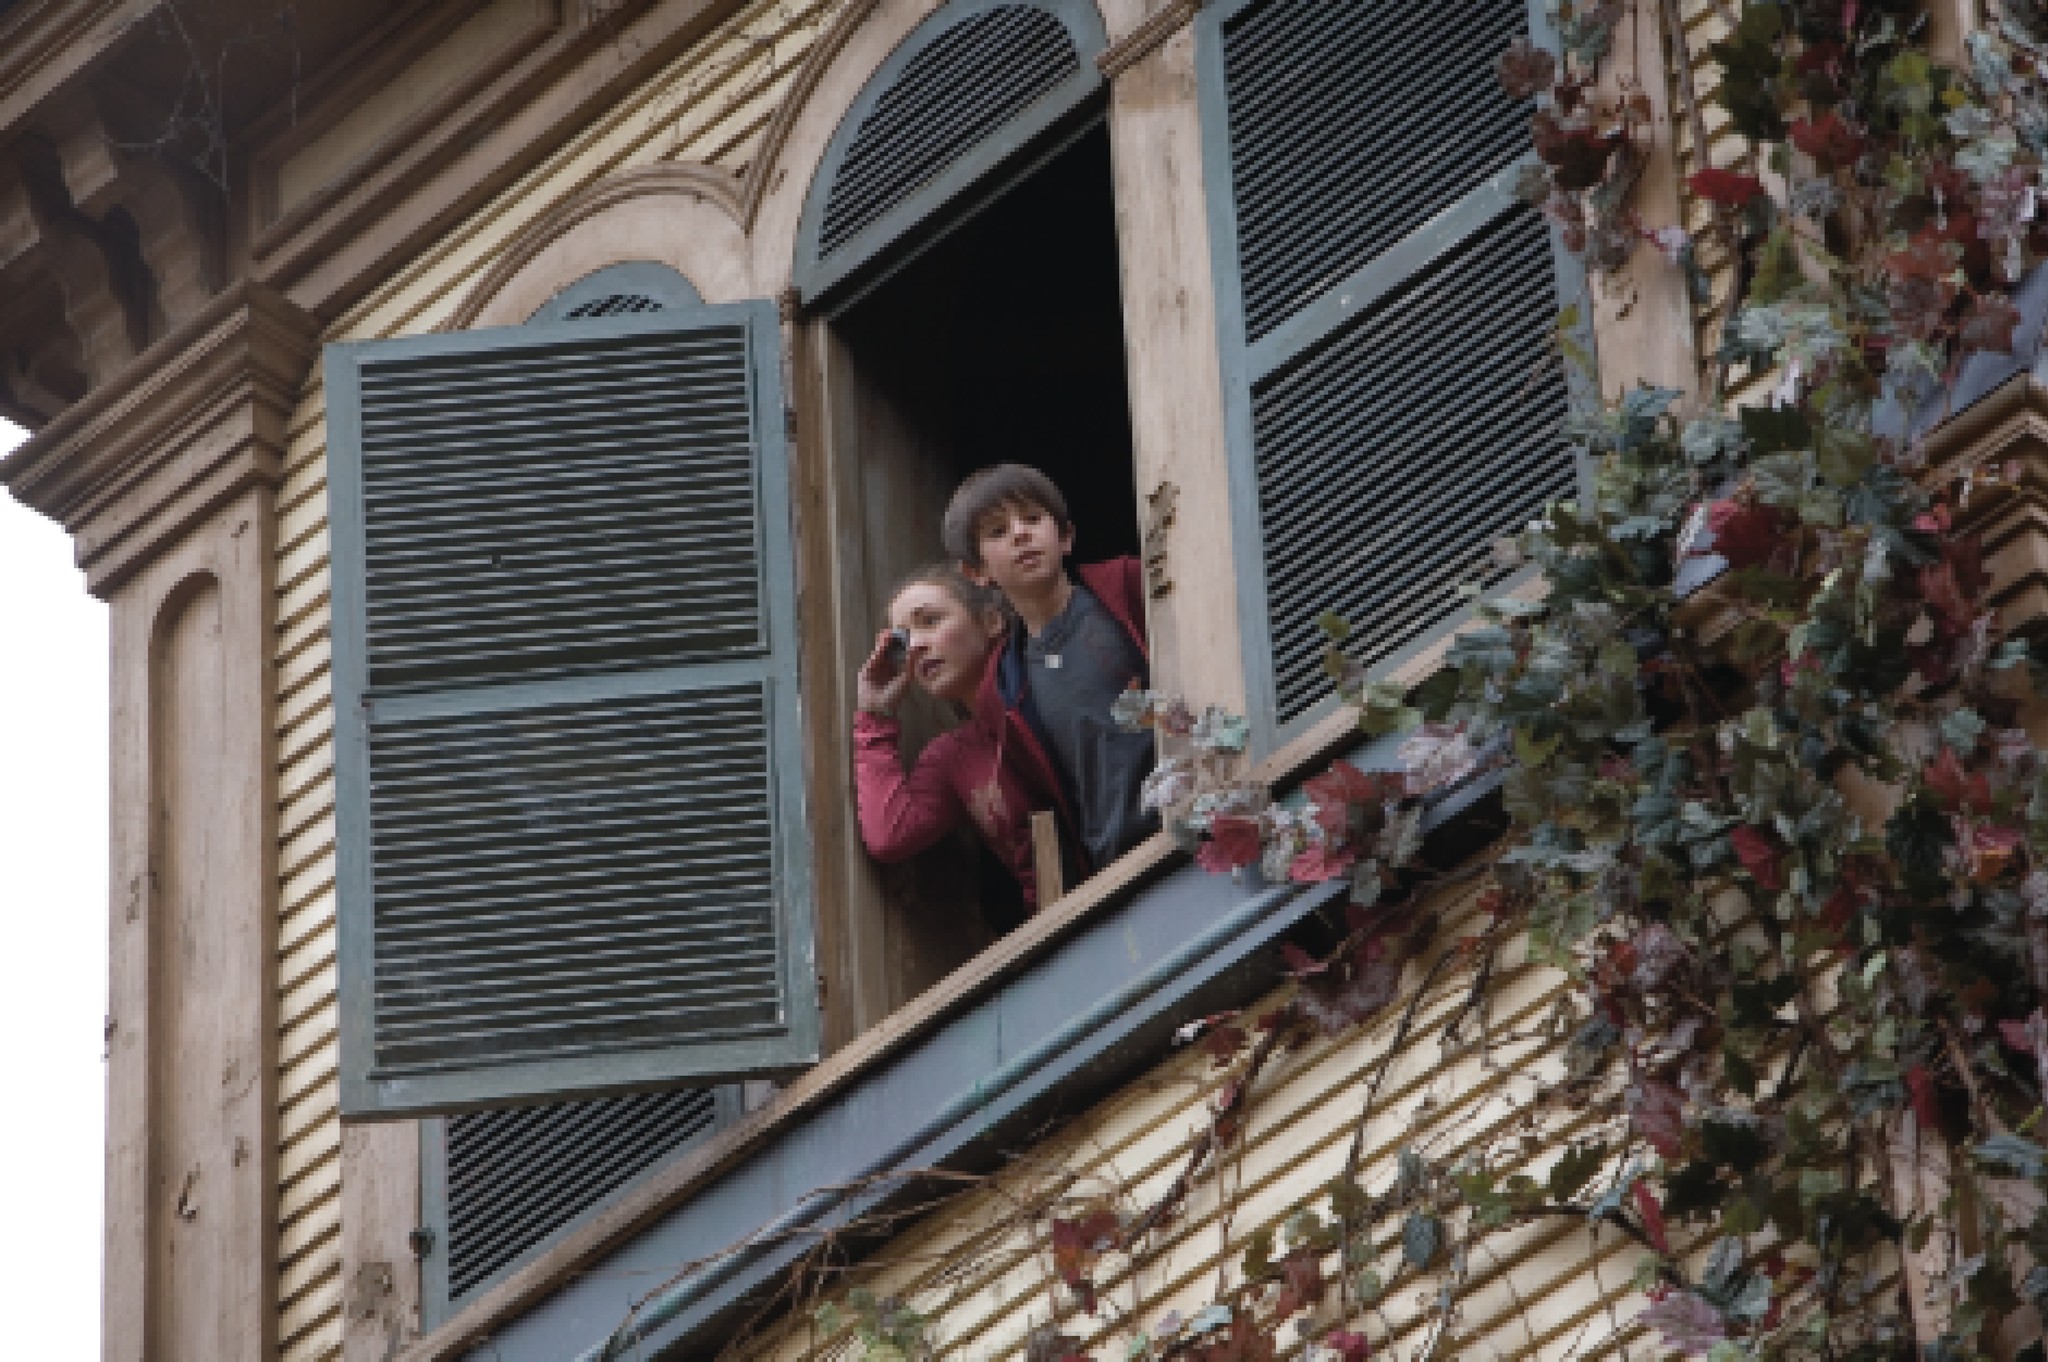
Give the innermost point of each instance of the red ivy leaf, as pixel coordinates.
(2018, 1034)
(1321, 863)
(1925, 1097)
(1300, 963)
(1729, 188)
(1657, 1110)
(1653, 1218)
(1746, 532)
(1760, 855)
(1233, 842)
(1928, 256)
(1525, 69)
(1349, 1347)
(1989, 324)
(1301, 1275)
(1223, 1044)
(1828, 140)
(1991, 850)
(1954, 788)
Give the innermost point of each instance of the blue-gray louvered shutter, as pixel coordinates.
(498, 1186)
(1387, 312)
(973, 96)
(571, 850)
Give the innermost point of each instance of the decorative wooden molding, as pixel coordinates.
(361, 74)
(1996, 452)
(451, 168)
(44, 45)
(1127, 51)
(666, 179)
(137, 462)
(830, 43)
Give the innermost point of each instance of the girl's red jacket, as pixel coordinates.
(993, 769)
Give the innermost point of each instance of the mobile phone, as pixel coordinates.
(899, 646)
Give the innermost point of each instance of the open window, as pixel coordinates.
(978, 321)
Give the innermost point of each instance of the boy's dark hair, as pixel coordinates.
(991, 489)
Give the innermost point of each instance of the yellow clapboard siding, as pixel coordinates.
(304, 678)
(300, 1240)
(307, 976)
(308, 1008)
(310, 814)
(302, 561)
(298, 603)
(1549, 1289)
(318, 874)
(307, 849)
(312, 1161)
(307, 756)
(309, 1322)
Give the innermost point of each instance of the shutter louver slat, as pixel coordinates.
(516, 1177)
(1472, 410)
(1339, 141)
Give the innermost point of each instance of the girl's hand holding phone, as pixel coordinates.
(882, 679)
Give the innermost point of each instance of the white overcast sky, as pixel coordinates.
(53, 955)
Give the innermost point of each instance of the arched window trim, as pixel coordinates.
(1011, 151)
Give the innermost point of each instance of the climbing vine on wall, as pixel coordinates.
(1773, 810)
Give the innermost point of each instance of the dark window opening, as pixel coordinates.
(1003, 342)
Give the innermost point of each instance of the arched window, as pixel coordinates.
(974, 97)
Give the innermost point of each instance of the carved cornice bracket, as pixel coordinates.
(138, 462)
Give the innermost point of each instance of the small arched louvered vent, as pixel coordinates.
(614, 305)
(975, 86)
(620, 291)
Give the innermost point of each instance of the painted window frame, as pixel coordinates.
(1044, 129)
(1246, 362)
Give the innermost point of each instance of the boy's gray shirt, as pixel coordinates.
(1076, 670)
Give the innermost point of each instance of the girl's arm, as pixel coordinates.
(900, 814)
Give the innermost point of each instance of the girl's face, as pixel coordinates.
(948, 644)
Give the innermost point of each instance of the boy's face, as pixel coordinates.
(1021, 549)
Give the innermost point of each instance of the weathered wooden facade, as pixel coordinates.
(1134, 239)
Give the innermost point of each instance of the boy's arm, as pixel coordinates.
(900, 814)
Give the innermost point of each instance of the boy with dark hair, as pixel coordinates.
(1076, 646)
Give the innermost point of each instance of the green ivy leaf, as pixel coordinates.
(1422, 1235)
(1574, 1169)
(2017, 1155)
